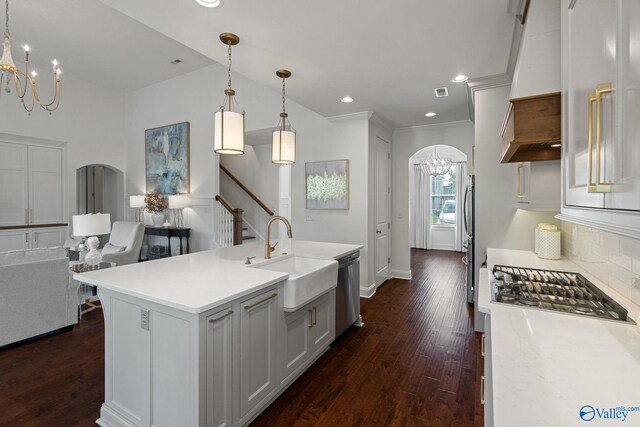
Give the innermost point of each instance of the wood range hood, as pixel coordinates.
(530, 128)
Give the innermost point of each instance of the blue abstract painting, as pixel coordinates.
(167, 159)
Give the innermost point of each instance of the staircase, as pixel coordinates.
(232, 229)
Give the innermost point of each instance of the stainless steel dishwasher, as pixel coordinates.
(348, 292)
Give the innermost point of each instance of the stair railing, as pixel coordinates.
(229, 224)
(246, 190)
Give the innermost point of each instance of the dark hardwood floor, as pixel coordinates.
(414, 363)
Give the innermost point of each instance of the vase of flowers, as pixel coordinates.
(156, 204)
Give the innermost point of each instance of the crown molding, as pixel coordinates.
(413, 129)
(376, 118)
(351, 116)
(484, 83)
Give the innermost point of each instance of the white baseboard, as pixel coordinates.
(368, 291)
(401, 274)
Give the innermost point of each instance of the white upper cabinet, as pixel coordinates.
(30, 185)
(14, 196)
(589, 60)
(601, 107)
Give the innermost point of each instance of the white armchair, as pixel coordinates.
(124, 243)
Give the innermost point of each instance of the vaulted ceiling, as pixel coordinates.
(389, 56)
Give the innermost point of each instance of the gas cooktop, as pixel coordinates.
(553, 290)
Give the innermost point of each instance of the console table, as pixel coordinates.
(169, 232)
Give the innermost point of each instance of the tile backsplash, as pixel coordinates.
(613, 259)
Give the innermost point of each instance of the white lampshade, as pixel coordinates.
(136, 202)
(179, 201)
(228, 132)
(91, 224)
(283, 147)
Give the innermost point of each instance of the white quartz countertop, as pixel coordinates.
(201, 281)
(548, 366)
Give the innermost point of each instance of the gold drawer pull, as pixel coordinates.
(591, 186)
(249, 307)
(519, 192)
(482, 347)
(482, 389)
(601, 187)
(228, 313)
(310, 318)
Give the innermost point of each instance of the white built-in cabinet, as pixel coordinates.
(259, 351)
(165, 366)
(308, 331)
(30, 185)
(30, 238)
(31, 196)
(537, 186)
(220, 343)
(601, 106)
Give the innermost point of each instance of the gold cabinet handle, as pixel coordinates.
(249, 307)
(482, 389)
(482, 346)
(519, 192)
(228, 313)
(601, 187)
(315, 316)
(591, 186)
(310, 318)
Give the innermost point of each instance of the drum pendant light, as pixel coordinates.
(228, 132)
(284, 141)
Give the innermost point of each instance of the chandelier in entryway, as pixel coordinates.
(25, 81)
(435, 165)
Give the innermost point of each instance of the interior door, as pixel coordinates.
(383, 221)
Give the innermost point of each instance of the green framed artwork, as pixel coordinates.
(327, 184)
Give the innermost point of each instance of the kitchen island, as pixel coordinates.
(203, 339)
(545, 368)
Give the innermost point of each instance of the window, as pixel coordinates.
(443, 198)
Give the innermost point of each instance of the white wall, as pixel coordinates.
(498, 223)
(406, 142)
(89, 120)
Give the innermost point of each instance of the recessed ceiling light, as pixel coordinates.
(347, 99)
(556, 145)
(209, 3)
(430, 114)
(460, 78)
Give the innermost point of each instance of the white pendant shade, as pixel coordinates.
(283, 147)
(91, 225)
(228, 134)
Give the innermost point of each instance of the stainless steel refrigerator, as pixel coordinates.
(469, 227)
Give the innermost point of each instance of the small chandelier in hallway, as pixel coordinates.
(228, 133)
(284, 141)
(25, 81)
(435, 165)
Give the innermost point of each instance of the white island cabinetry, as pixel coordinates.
(204, 340)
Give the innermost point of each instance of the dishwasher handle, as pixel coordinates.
(348, 260)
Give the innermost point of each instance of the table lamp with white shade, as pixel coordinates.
(178, 202)
(137, 203)
(92, 225)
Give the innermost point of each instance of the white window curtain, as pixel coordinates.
(420, 211)
(462, 180)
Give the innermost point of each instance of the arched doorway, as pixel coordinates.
(436, 214)
(100, 189)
